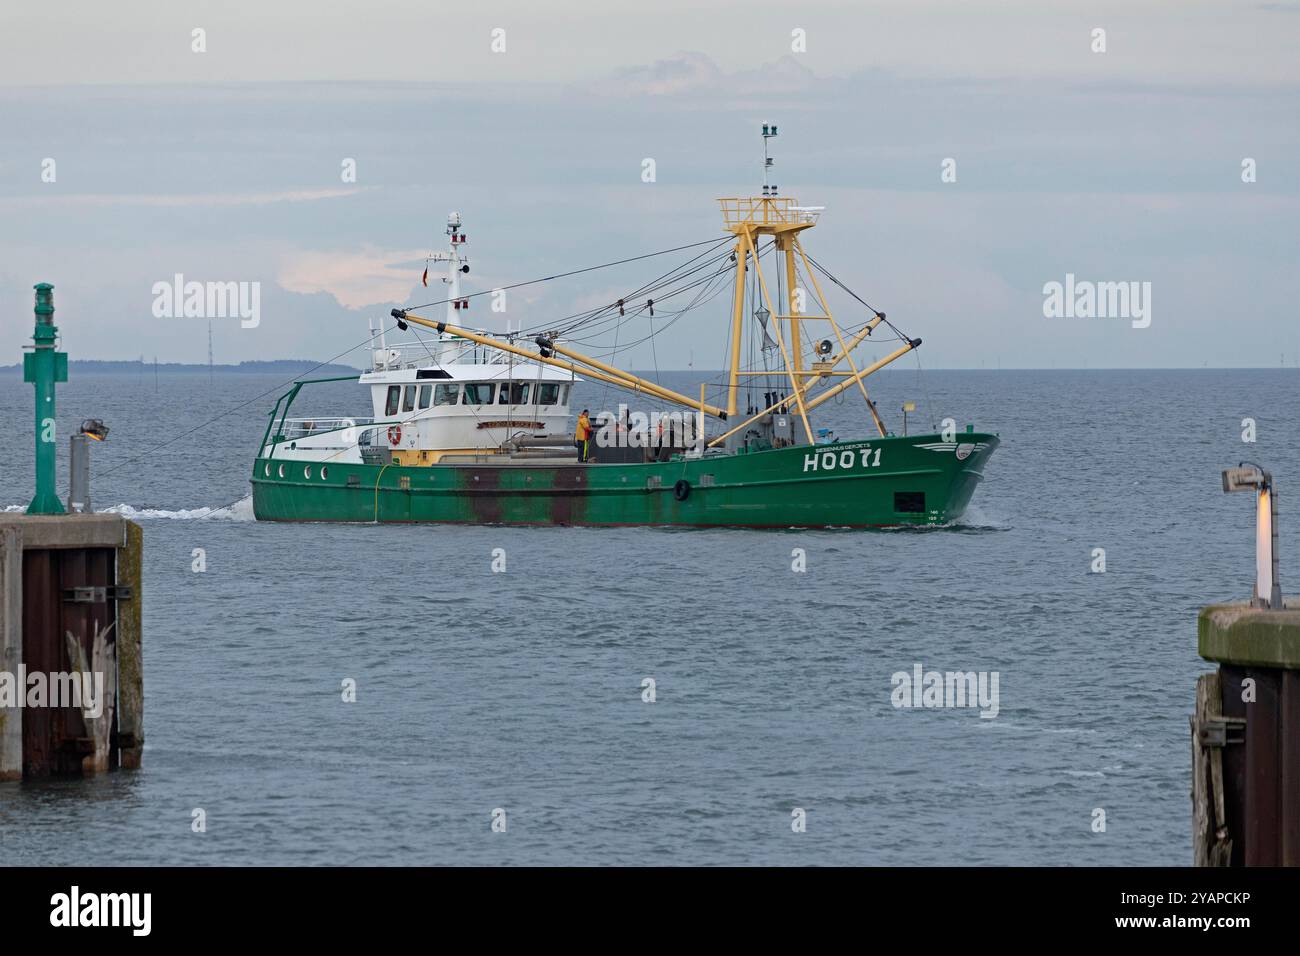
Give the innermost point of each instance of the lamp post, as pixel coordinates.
(43, 366)
(1250, 477)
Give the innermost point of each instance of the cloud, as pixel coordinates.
(693, 72)
(357, 279)
(190, 199)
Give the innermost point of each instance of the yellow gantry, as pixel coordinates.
(783, 219)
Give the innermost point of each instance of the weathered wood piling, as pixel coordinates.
(70, 593)
(1246, 737)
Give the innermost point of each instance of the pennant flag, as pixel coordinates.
(425, 278)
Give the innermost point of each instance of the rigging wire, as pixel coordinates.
(574, 272)
(370, 339)
(826, 272)
(652, 287)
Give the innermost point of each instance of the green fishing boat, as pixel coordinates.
(472, 426)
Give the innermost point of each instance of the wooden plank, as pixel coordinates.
(42, 651)
(130, 649)
(74, 570)
(1207, 701)
(1290, 745)
(11, 649)
(1233, 763)
(1263, 768)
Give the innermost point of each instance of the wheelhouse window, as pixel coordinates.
(426, 394)
(445, 394)
(479, 393)
(564, 394)
(514, 393)
(394, 396)
(548, 393)
(408, 400)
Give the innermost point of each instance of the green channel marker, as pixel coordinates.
(43, 367)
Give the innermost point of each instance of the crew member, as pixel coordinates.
(582, 437)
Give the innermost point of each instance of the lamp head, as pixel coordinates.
(1245, 477)
(94, 428)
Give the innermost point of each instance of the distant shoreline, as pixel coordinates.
(137, 368)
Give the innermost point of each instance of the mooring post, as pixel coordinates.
(43, 366)
(79, 474)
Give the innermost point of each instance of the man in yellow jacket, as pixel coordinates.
(582, 436)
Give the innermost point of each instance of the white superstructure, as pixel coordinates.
(436, 394)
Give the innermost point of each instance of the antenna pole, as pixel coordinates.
(769, 131)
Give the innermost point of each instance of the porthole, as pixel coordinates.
(306, 471)
(324, 472)
(266, 470)
(282, 471)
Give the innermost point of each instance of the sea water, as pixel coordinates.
(773, 733)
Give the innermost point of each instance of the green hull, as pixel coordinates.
(918, 480)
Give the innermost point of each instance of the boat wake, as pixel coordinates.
(241, 510)
(977, 519)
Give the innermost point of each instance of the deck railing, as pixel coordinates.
(446, 352)
(297, 428)
(767, 211)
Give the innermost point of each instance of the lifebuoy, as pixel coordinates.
(394, 434)
(682, 490)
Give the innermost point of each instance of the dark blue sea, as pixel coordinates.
(522, 691)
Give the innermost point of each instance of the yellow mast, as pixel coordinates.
(780, 339)
(737, 324)
(785, 244)
(784, 219)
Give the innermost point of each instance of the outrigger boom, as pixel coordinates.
(595, 369)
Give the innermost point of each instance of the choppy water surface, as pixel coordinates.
(523, 690)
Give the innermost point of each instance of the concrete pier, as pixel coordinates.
(1246, 737)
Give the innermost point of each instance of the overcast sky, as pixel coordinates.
(225, 165)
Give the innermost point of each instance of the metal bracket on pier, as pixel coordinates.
(1220, 731)
(97, 595)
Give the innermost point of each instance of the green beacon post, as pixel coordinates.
(43, 366)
